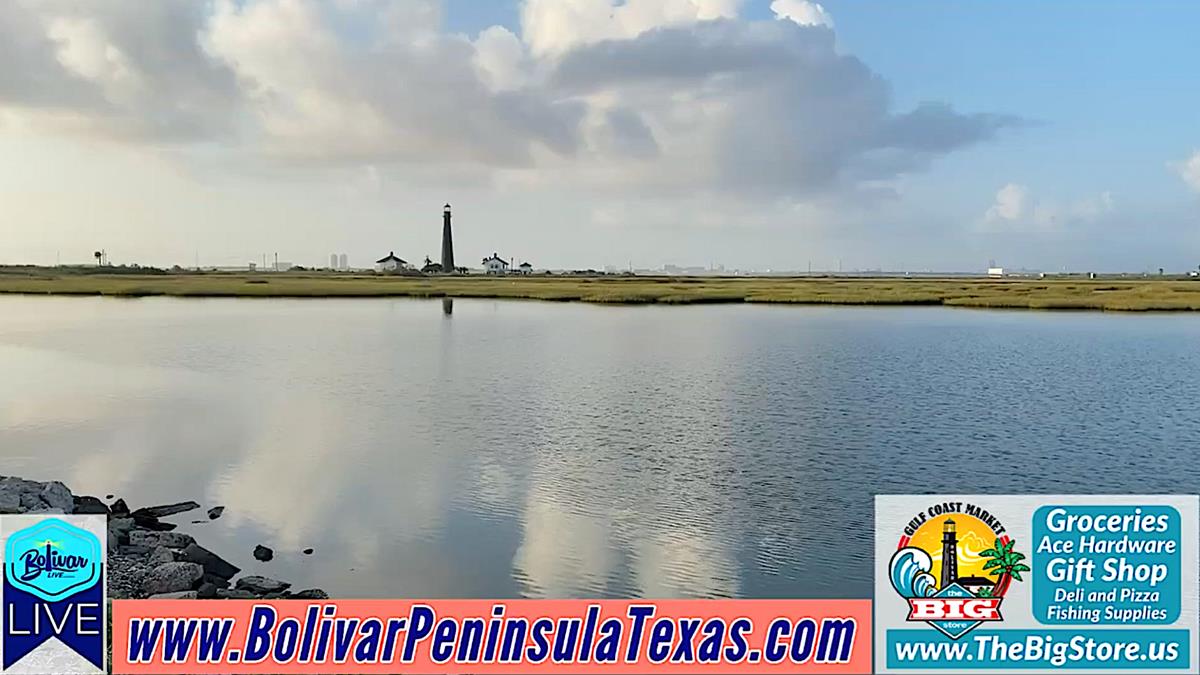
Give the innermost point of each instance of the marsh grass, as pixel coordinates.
(1136, 295)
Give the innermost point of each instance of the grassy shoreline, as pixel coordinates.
(1109, 294)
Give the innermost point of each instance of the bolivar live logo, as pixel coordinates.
(53, 588)
(944, 564)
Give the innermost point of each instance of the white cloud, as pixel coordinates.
(1010, 203)
(554, 26)
(1189, 171)
(1016, 206)
(317, 94)
(502, 59)
(802, 12)
(84, 49)
(634, 96)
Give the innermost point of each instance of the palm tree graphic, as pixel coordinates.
(1004, 562)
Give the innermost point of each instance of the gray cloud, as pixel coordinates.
(627, 134)
(936, 127)
(130, 71)
(774, 105)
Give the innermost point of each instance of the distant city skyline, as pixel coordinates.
(755, 134)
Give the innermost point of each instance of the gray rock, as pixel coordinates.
(207, 590)
(119, 508)
(13, 491)
(10, 501)
(160, 556)
(215, 580)
(154, 539)
(177, 595)
(263, 554)
(235, 594)
(215, 512)
(57, 496)
(86, 504)
(172, 577)
(151, 523)
(164, 510)
(134, 551)
(119, 528)
(114, 541)
(307, 551)
(126, 575)
(261, 585)
(310, 594)
(120, 525)
(213, 563)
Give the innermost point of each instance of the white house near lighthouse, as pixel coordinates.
(495, 265)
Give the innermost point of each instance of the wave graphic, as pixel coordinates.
(909, 573)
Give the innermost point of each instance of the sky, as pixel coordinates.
(754, 134)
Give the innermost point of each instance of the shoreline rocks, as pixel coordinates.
(165, 510)
(261, 585)
(145, 557)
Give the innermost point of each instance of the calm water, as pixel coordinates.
(543, 449)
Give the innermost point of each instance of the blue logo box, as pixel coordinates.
(52, 560)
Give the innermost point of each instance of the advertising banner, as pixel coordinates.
(492, 636)
(1036, 583)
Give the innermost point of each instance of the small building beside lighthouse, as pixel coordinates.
(390, 263)
(495, 265)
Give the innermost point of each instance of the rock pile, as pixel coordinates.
(146, 558)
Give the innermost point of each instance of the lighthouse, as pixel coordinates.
(447, 243)
(949, 553)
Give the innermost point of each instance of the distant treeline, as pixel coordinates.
(80, 270)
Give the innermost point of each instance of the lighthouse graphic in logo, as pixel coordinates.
(954, 571)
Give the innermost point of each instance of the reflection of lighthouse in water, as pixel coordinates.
(949, 553)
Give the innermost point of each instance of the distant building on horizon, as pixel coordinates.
(431, 267)
(343, 262)
(390, 263)
(495, 265)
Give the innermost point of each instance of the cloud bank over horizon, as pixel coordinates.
(686, 104)
(649, 93)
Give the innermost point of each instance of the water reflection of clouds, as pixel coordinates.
(571, 450)
(618, 503)
(107, 424)
(614, 480)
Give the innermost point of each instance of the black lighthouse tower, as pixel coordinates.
(447, 243)
(949, 553)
